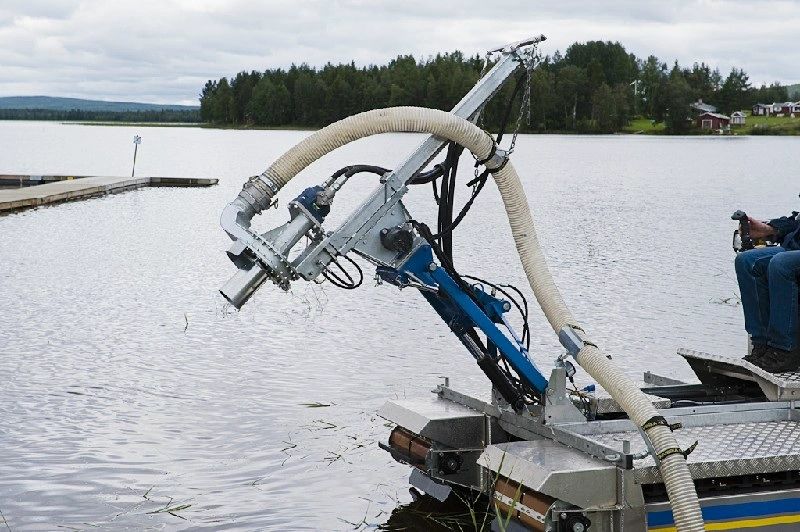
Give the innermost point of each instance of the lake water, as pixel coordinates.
(132, 397)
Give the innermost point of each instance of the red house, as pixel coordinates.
(786, 109)
(713, 121)
(791, 109)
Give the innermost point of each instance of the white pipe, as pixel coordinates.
(674, 470)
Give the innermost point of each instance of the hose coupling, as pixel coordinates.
(258, 191)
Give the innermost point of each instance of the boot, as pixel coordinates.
(779, 361)
(757, 353)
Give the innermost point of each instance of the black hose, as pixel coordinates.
(349, 171)
(522, 309)
(349, 283)
(421, 178)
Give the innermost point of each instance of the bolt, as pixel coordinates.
(578, 527)
(506, 306)
(432, 267)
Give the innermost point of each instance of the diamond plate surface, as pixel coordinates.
(723, 450)
(783, 380)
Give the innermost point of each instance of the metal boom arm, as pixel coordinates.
(379, 230)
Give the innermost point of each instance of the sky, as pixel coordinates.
(163, 51)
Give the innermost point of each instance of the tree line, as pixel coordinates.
(164, 115)
(595, 86)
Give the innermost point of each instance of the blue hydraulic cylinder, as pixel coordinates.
(422, 272)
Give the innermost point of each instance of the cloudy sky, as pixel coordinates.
(164, 50)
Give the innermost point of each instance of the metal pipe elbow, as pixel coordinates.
(236, 218)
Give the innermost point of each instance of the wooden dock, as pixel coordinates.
(55, 189)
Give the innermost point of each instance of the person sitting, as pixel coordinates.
(767, 279)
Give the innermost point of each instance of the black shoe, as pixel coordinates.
(756, 354)
(779, 361)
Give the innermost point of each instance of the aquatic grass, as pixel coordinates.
(3, 517)
(321, 424)
(361, 524)
(491, 509)
(503, 522)
(172, 509)
(733, 301)
(166, 509)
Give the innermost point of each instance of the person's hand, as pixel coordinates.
(759, 229)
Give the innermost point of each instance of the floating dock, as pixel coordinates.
(34, 191)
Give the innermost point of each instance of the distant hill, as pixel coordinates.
(794, 91)
(51, 103)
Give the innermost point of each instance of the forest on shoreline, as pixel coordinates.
(593, 87)
(79, 115)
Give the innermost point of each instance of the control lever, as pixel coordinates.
(744, 232)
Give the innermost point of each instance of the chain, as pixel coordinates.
(528, 60)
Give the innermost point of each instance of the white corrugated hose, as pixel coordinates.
(674, 470)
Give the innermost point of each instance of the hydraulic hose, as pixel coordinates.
(673, 467)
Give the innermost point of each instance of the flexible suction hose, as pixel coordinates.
(674, 470)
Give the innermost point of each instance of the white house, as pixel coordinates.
(777, 109)
(762, 109)
(737, 118)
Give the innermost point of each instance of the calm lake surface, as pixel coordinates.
(128, 388)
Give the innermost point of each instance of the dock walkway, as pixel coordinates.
(75, 188)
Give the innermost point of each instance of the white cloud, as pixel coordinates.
(164, 50)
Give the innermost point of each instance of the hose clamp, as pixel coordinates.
(496, 160)
(661, 421)
(269, 182)
(677, 450)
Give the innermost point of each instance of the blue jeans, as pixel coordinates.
(768, 284)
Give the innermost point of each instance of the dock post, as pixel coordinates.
(136, 141)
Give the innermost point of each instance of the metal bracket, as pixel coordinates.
(558, 406)
(528, 427)
(514, 46)
(573, 339)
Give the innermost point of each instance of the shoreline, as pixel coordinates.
(756, 130)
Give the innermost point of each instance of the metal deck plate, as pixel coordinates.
(715, 370)
(441, 421)
(549, 467)
(724, 450)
